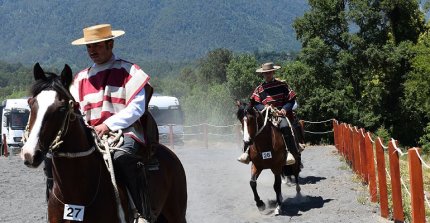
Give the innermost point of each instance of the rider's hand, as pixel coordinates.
(282, 112)
(101, 129)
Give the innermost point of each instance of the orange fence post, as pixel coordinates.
(363, 158)
(5, 148)
(417, 188)
(382, 178)
(368, 144)
(343, 139)
(356, 153)
(335, 134)
(396, 190)
(350, 149)
(205, 126)
(171, 140)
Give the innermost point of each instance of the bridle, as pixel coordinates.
(268, 111)
(55, 144)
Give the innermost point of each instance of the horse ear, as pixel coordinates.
(238, 103)
(66, 76)
(38, 72)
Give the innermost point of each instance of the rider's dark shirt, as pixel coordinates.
(276, 93)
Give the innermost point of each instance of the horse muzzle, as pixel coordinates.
(32, 161)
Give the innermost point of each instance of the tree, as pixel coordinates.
(241, 76)
(357, 53)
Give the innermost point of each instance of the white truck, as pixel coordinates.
(167, 112)
(14, 117)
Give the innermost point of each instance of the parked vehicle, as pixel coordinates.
(14, 117)
(167, 112)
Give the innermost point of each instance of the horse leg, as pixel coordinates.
(277, 188)
(253, 182)
(298, 189)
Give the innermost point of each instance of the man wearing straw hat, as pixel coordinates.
(111, 94)
(276, 93)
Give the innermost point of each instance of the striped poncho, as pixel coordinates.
(104, 90)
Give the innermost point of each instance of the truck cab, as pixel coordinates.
(14, 118)
(167, 112)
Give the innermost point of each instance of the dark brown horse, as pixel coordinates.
(267, 151)
(82, 184)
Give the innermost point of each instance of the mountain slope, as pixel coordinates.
(156, 30)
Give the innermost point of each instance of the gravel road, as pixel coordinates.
(219, 191)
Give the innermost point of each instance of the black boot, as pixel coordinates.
(47, 169)
(127, 166)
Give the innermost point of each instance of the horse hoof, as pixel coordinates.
(277, 211)
(261, 206)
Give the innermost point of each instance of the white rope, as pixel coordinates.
(107, 157)
(214, 134)
(318, 132)
(310, 122)
(422, 161)
(222, 126)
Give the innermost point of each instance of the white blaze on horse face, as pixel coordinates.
(246, 137)
(44, 100)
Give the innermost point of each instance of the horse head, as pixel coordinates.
(49, 108)
(250, 119)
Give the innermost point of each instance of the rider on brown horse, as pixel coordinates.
(276, 93)
(112, 94)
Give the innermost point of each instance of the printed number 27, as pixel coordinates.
(71, 210)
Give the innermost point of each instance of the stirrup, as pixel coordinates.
(290, 159)
(140, 219)
(244, 158)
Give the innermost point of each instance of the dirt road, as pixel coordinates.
(219, 191)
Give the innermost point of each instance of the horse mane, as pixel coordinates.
(51, 82)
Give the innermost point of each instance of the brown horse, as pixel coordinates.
(83, 189)
(267, 151)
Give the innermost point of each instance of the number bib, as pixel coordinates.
(266, 155)
(73, 212)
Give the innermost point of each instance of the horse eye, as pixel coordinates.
(62, 109)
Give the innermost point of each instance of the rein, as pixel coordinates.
(268, 110)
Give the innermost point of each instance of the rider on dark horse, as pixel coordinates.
(112, 96)
(276, 93)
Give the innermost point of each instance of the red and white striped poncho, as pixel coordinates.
(104, 90)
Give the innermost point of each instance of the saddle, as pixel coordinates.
(150, 128)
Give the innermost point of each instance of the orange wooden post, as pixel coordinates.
(342, 140)
(302, 125)
(205, 126)
(416, 185)
(396, 190)
(349, 148)
(345, 140)
(171, 140)
(5, 148)
(382, 178)
(356, 151)
(368, 144)
(335, 133)
(363, 158)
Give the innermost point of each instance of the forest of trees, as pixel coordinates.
(366, 63)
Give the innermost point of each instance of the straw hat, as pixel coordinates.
(98, 33)
(267, 67)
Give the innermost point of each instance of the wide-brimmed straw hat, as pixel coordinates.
(98, 33)
(267, 67)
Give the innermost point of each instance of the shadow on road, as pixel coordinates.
(292, 206)
(304, 180)
(310, 179)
